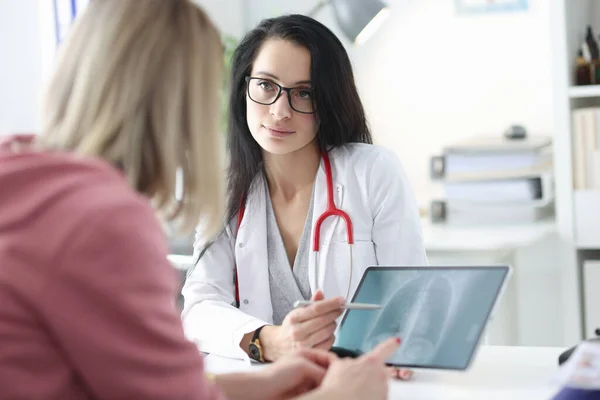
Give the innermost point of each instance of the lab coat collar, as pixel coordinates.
(254, 229)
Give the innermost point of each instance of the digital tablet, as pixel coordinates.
(440, 313)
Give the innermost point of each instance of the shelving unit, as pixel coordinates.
(587, 220)
(584, 91)
(578, 222)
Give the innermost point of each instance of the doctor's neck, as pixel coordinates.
(291, 174)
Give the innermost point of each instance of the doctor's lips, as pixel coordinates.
(278, 131)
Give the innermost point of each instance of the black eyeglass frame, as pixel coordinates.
(281, 90)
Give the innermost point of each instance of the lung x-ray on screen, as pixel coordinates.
(438, 312)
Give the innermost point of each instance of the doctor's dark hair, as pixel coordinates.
(341, 115)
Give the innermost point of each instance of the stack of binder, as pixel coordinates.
(586, 148)
(494, 180)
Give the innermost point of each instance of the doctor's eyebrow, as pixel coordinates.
(270, 75)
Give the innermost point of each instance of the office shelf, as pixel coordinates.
(584, 91)
(575, 210)
(587, 219)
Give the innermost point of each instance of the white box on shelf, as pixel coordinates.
(591, 283)
(587, 219)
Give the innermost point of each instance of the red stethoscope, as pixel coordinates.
(330, 211)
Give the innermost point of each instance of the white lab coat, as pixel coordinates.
(369, 184)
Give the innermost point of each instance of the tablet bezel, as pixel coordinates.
(490, 313)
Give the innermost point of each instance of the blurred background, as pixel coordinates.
(489, 104)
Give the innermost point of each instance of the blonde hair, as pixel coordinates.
(137, 84)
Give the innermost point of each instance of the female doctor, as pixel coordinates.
(312, 203)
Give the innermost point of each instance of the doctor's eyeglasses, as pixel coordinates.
(266, 92)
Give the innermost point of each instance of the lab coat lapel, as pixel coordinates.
(328, 226)
(251, 254)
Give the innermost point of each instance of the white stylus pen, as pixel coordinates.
(347, 306)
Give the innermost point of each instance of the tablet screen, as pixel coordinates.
(438, 312)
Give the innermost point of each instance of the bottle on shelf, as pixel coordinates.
(583, 70)
(592, 45)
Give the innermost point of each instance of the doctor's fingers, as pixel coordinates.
(327, 344)
(316, 355)
(313, 325)
(319, 336)
(318, 309)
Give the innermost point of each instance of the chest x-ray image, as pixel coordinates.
(439, 313)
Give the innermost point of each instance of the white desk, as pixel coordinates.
(498, 373)
(442, 237)
(529, 313)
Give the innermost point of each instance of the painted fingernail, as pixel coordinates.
(398, 340)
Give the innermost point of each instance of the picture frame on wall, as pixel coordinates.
(466, 7)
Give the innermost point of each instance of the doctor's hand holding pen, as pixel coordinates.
(306, 327)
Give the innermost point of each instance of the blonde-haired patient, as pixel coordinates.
(87, 295)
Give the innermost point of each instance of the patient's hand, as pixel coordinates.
(364, 377)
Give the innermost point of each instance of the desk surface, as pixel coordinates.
(498, 373)
(442, 237)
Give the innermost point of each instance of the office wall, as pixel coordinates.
(256, 10)
(228, 15)
(429, 77)
(27, 49)
(21, 65)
